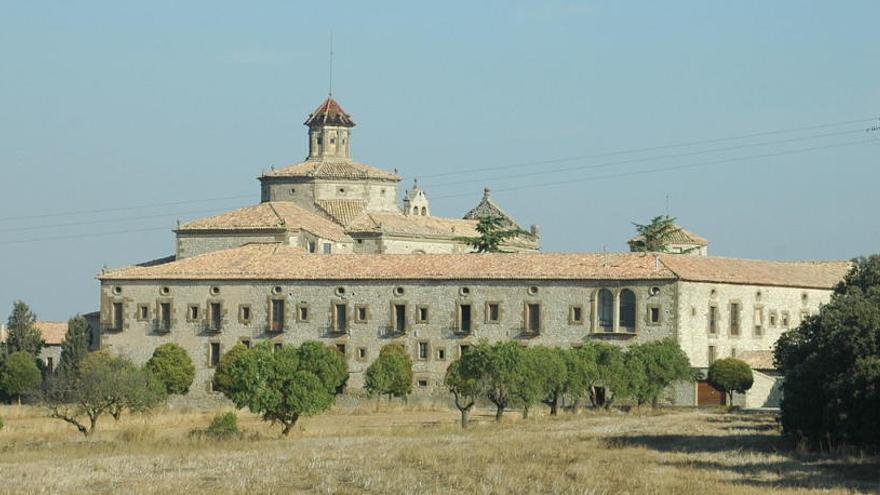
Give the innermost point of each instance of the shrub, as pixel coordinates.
(831, 364)
(173, 367)
(223, 426)
(20, 374)
(391, 373)
(283, 384)
(730, 375)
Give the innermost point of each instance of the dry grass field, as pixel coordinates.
(422, 450)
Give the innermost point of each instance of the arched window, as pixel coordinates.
(424, 211)
(628, 309)
(606, 310)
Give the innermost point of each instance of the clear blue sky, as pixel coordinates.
(114, 105)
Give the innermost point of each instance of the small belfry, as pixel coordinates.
(416, 202)
(329, 131)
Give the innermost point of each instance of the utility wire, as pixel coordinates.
(655, 148)
(78, 236)
(109, 220)
(645, 159)
(664, 169)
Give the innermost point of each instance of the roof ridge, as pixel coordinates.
(277, 215)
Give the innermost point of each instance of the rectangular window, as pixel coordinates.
(465, 323)
(713, 320)
(463, 349)
(773, 319)
(328, 248)
(50, 365)
(711, 355)
(302, 312)
(423, 350)
(654, 315)
(785, 319)
(313, 247)
(759, 322)
(341, 316)
(244, 313)
(276, 322)
(360, 314)
(441, 354)
(733, 352)
(422, 314)
(118, 315)
(192, 312)
(734, 318)
(399, 315)
(575, 315)
(214, 358)
(215, 311)
(533, 318)
(493, 313)
(165, 316)
(423, 383)
(143, 312)
(362, 353)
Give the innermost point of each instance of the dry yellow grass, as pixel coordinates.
(407, 450)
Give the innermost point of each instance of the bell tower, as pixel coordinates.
(329, 132)
(416, 202)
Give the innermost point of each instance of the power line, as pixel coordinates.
(656, 148)
(664, 169)
(108, 220)
(78, 236)
(645, 159)
(121, 208)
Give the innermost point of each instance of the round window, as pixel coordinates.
(340, 291)
(655, 291)
(165, 291)
(398, 291)
(277, 290)
(533, 290)
(117, 290)
(465, 291)
(292, 191)
(215, 290)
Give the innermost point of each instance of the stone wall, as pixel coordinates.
(363, 340)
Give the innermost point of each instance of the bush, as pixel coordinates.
(20, 374)
(730, 375)
(391, 373)
(173, 367)
(831, 364)
(224, 425)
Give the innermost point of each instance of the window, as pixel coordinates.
(165, 316)
(422, 314)
(734, 318)
(328, 248)
(493, 312)
(773, 319)
(423, 383)
(118, 315)
(713, 320)
(244, 313)
(143, 312)
(441, 354)
(302, 312)
(606, 310)
(313, 247)
(785, 319)
(215, 314)
(360, 314)
(711, 354)
(759, 322)
(214, 354)
(50, 365)
(463, 349)
(533, 318)
(654, 314)
(362, 353)
(733, 352)
(575, 315)
(628, 310)
(340, 315)
(423, 350)
(276, 316)
(465, 321)
(399, 318)
(192, 312)
(340, 348)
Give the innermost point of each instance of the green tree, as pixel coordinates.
(654, 366)
(222, 380)
(531, 383)
(655, 236)
(582, 372)
(283, 384)
(831, 364)
(20, 374)
(75, 346)
(391, 373)
(173, 367)
(612, 373)
(730, 375)
(492, 233)
(105, 384)
(551, 372)
(463, 380)
(500, 372)
(23, 333)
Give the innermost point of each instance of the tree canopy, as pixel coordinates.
(283, 384)
(75, 346)
(831, 364)
(656, 235)
(173, 367)
(492, 233)
(654, 366)
(19, 374)
(23, 332)
(391, 373)
(730, 375)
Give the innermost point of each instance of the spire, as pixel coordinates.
(329, 131)
(329, 112)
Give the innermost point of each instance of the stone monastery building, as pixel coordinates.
(329, 255)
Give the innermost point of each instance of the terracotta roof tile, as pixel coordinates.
(271, 216)
(53, 331)
(758, 360)
(808, 274)
(333, 168)
(329, 112)
(680, 236)
(427, 226)
(278, 262)
(343, 211)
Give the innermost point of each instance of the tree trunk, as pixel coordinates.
(554, 406)
(499, 411)
(93, 421)
(525, 412)
(465, 417)
(288, 425)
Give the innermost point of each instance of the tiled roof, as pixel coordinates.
(279, 262)
(680, 236)
(343, 211)
(807, 274)
(329, 112)
(333, 168)
(273, 216)
(53, 331)
(488, 207)
(758, 360)
(399, 224)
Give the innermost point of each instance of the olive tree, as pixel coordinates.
(173, 367)
(654, 366)
(463, 380)
(283, 384)
(390, 374)
(730, 375)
